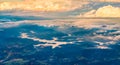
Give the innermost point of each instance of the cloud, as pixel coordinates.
(81, 23)
(106, 11)
(102, 40)
(10, 0)
(108, 0)
(103, 26)
(42, 5)
(53, 43)
(99, 0)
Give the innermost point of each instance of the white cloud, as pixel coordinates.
(24, 35)
(53, 43)
(102, 41)
(106, 11)
(102, 47)
(81, 23)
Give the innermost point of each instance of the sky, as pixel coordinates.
(61, 8)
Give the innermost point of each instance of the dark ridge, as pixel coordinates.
(5, 18)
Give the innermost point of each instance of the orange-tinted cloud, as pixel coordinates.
(106, 11)
(108, 0)
(42, 5)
